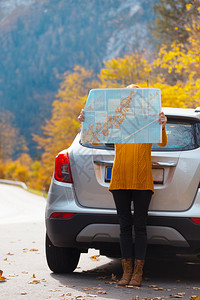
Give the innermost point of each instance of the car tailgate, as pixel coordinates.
(176, 177)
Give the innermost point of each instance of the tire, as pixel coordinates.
(61, 259)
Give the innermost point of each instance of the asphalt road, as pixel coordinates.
(22, 260)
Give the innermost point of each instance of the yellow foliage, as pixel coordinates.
(61, 129)
(10, 167)
(188, 6)
(2, 171)
(19, 169)
(25, 160)
(182, 59)
(178, 95)
(21, 173)
(120, 72)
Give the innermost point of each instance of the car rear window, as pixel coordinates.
(182, 135)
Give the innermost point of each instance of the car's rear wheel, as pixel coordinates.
(61, 259)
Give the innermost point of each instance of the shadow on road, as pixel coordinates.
(162, 278)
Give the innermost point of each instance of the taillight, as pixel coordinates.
(195, 220)
(61, 215)
(62, 168)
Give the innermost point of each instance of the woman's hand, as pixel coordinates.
(162, 119)
(81, 117)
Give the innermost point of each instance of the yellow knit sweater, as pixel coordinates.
(132, 167)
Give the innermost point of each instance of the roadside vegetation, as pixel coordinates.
(174, 68)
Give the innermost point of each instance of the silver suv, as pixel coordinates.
(80, 211)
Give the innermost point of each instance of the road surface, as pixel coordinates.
(22, 260)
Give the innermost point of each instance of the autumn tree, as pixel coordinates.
(183, 60)
(122, 71)
(10, 140)
(63, 126)
(172, 19)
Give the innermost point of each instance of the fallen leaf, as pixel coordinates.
(34, 281)
(34, 276)
(87, 289)
(13, 275)
(33, 249)
(194, 298)
(95, 257)
(110, 282)
(10, 253)
(102, 292)
(133, 287)
(5, 259)
(68, 294)
(1, 277)
(23, 293)
(178, 295)
(158, 289)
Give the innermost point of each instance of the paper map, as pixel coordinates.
(122, 116)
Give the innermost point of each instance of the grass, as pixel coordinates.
(37, 192)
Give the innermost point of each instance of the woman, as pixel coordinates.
(132, 180)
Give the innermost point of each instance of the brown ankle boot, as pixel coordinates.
(136, 278)
(127, 265)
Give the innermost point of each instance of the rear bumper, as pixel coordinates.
(98, 231)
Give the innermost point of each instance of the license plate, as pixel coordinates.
(158, 175)
(108, 174)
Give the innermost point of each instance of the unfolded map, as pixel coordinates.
(122, 116)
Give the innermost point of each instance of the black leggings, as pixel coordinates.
(141, 201)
